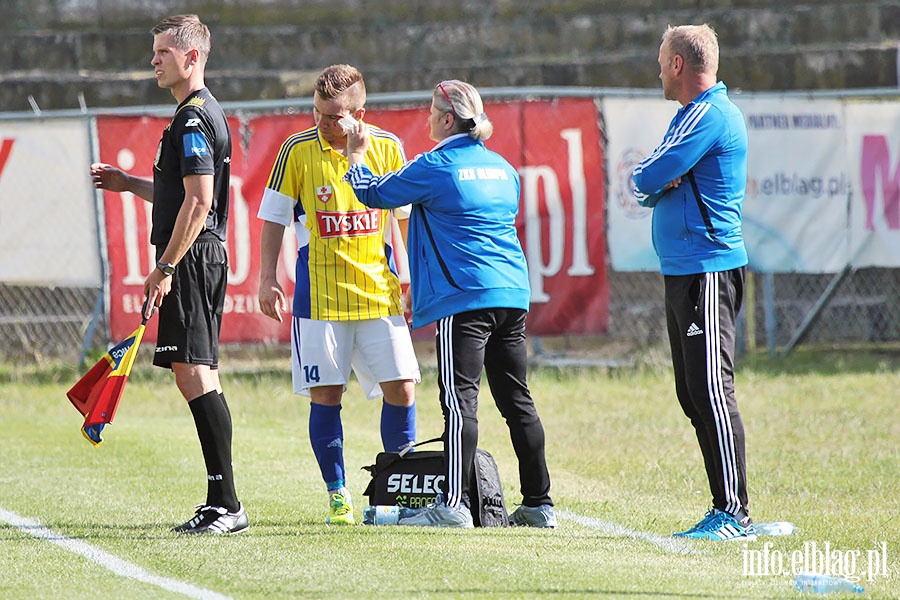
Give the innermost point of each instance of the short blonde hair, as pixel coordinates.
(338, 79)
(464, 102)
(696, 44)
(188, 33)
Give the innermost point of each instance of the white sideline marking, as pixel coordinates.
(105, 559)
(669, 544)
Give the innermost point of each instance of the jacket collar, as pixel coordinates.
(719, 88)
(456, 139)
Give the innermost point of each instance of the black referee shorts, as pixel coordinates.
(190, 317)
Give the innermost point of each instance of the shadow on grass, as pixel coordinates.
(551, 593)
(259, 528)
(843, 360)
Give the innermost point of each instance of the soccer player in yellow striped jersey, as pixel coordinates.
(346, 310)
(345, 269)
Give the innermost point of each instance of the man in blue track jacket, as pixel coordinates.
(695, 182)
(467, 273)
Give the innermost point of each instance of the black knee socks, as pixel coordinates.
(213, 421)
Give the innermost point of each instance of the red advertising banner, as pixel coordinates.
(555, 145)
(130, 143)
(562, 217)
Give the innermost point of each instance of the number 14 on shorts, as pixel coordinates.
(311, 373)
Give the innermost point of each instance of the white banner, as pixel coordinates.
(798, 185)
(634, 128)
(48, 225)
(798, 189)
(873, 144)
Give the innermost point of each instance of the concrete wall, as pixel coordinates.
(267, 49)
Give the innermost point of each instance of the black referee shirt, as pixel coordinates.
(196, 142)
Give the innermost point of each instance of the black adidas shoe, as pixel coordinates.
(215, 519)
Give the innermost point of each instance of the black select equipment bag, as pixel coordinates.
(410, 479)
(413, 479)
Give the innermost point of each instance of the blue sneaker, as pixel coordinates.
(709, 516)
(718, 525)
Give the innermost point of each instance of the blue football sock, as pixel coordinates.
(398, 426)
(327, 439)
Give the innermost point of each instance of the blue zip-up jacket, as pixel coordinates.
(464, 253)
(706, 139)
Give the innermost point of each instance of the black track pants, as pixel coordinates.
(495, 340)
(701, 311)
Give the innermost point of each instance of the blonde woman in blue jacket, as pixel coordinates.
(469, 276)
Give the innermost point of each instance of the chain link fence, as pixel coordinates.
(47, 323)
(780, 312)
(859, 307)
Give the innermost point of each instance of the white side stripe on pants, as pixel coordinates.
(453, 449)
(716, 391)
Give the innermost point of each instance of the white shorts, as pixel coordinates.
(323, 352)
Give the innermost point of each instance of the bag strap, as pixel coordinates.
(409, 448)
(401, 455)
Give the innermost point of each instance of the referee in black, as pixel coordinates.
(189, 192)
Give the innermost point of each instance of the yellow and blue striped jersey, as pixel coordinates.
(345, 269)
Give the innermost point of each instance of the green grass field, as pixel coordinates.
(823, 452)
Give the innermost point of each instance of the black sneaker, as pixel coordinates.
(215, 519)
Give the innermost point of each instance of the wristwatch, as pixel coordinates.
(166, 268)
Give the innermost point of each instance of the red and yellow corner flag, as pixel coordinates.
(97, 394)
